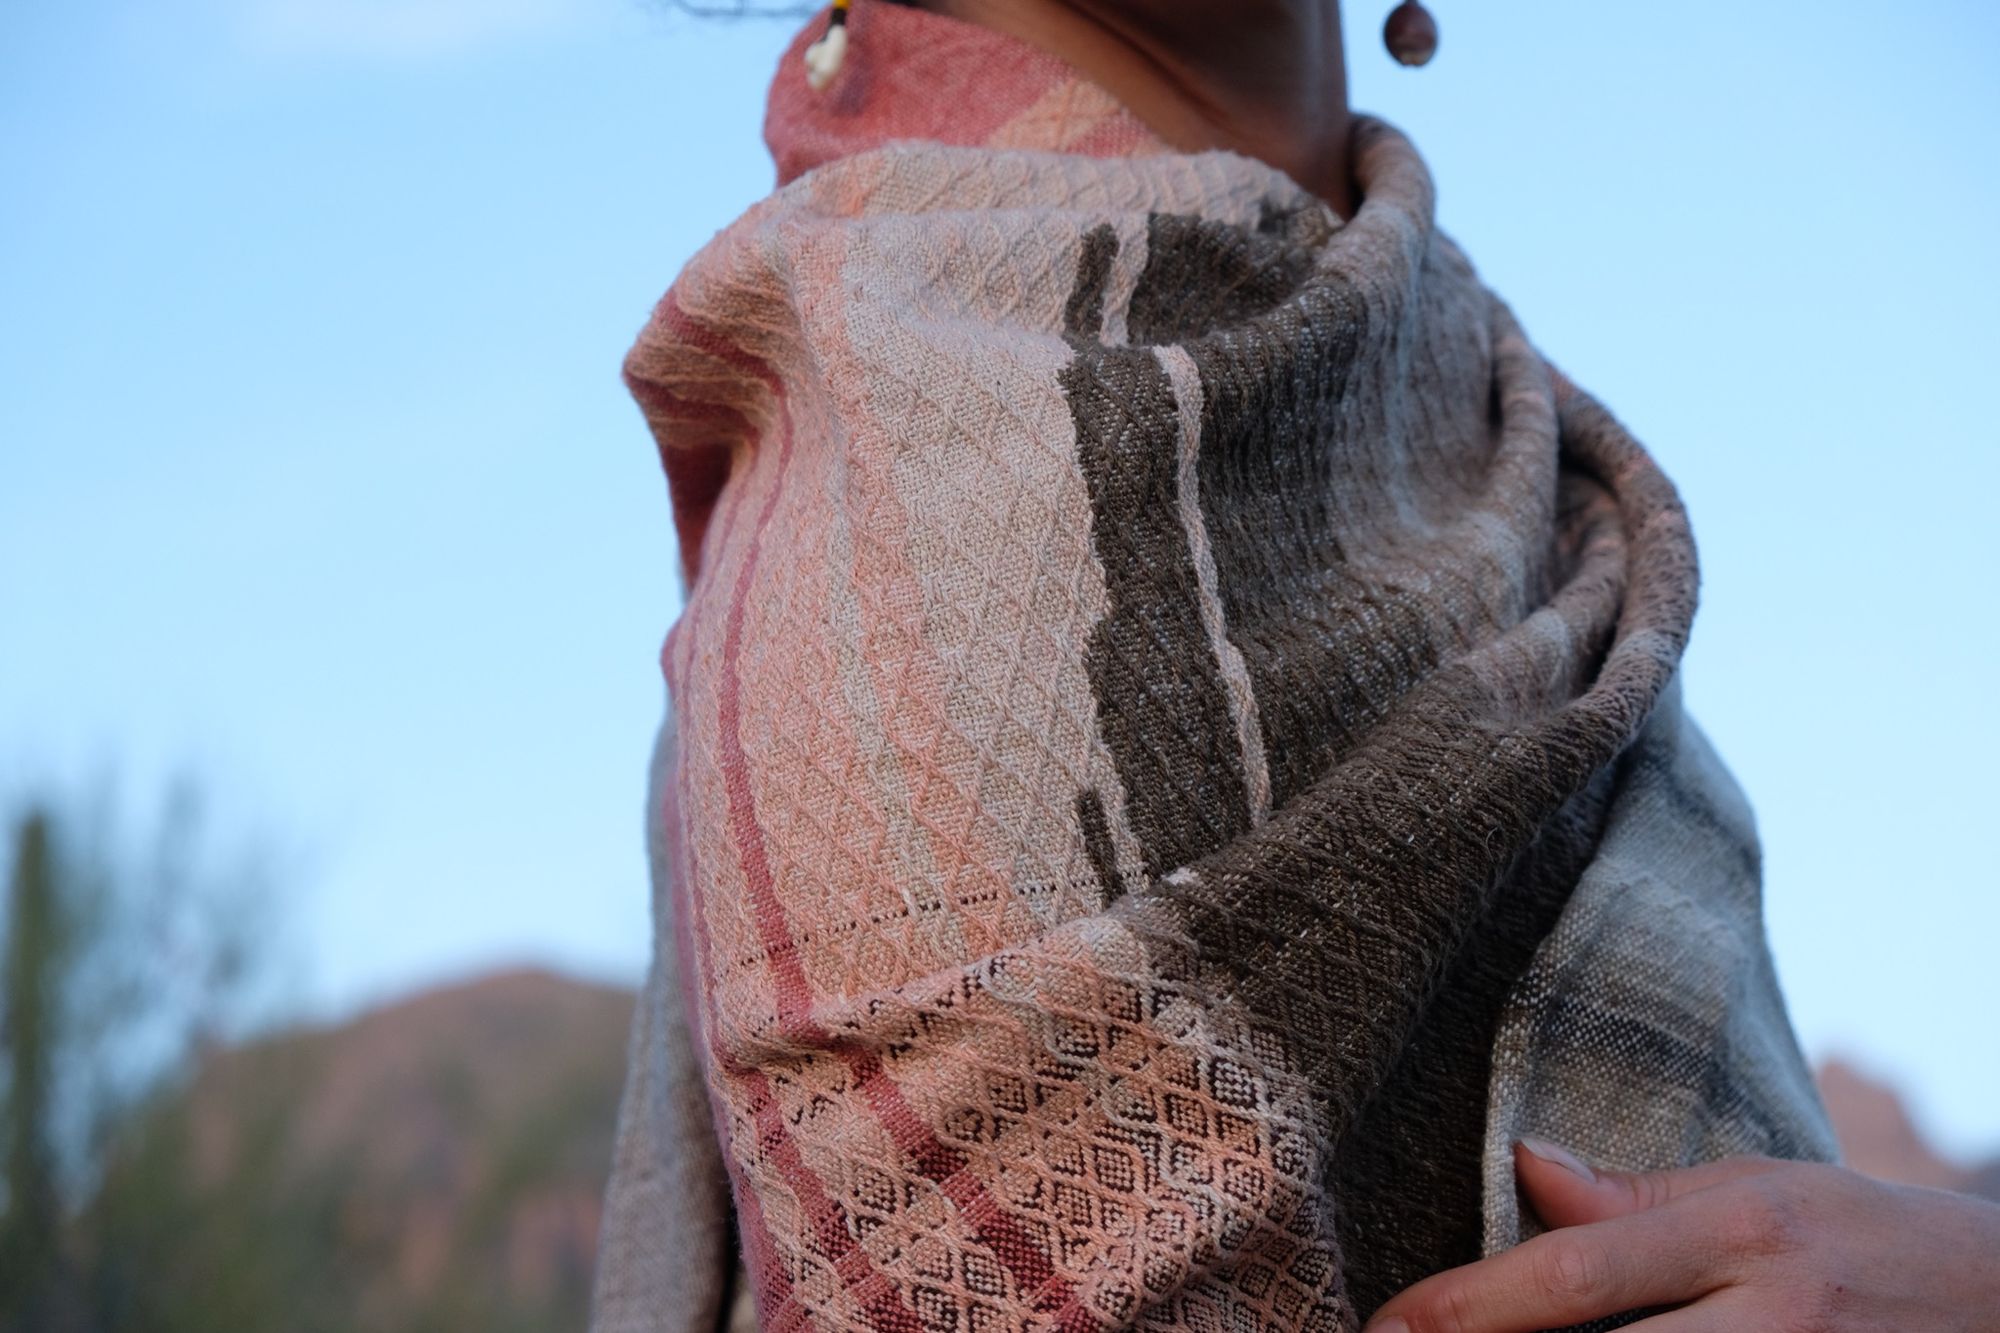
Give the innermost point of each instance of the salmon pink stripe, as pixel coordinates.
(781, 1310)
(691, 939)
(882, 1301)
(781, 949)
(779, 1306)
(1010, 1244)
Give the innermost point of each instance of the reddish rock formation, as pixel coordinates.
(1878, 1137)
(458, 1140)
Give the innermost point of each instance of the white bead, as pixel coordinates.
(823, 57)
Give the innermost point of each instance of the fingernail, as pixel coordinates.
(1395, 1323)
(1558, 1156)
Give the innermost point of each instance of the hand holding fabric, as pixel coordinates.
(1747, 1243)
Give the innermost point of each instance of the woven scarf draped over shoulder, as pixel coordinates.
(1178, 762)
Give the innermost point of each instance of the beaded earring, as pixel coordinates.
(1411, 34)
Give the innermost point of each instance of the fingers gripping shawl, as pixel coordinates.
(1172, 702)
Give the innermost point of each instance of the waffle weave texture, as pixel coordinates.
(1176, 759)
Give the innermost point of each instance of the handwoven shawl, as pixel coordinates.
(1176, 759)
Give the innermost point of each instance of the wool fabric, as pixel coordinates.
(1176, 762)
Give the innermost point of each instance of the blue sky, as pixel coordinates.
(317, 479)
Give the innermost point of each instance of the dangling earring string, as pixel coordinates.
(824, 57)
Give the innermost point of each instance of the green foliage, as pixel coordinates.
(165, 1249)
(111, 984)
(211, 1187)
(35, 1290)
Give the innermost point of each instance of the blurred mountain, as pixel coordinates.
(433, 1165)
(1879, 1138)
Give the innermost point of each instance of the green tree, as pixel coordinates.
(116, 974)
(428, 1168)
(34, 1277)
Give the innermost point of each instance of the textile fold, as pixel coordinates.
(1179, 760)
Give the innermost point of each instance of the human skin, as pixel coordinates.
(1746, 1244)
(1743, 1244)
(1266, 78)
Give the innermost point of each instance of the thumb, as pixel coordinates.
(1564, 1192)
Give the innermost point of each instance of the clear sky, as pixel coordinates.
(317, 479)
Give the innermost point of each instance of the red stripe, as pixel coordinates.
(1045, 1289)
(880, 1298)
(781, 950)
(691, 936)
(779, 1307)
(1009, 1242)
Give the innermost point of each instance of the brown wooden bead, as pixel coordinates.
(1411, 34)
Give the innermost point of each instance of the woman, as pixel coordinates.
(1180, 801)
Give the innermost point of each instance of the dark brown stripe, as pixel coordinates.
(1325, 651)
(1318, 645)
(1083, 316)
(1097, 843)
(1202, 275)
(1161, 708)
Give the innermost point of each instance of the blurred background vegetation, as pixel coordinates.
(176, 1157)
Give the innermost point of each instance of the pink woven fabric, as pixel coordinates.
(1176, 740)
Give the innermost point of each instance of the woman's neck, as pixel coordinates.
(1265, 78)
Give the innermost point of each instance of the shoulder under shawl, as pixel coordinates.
(1178, 759)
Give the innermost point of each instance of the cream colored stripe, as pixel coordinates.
(1188, 399)
(1133, 247)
